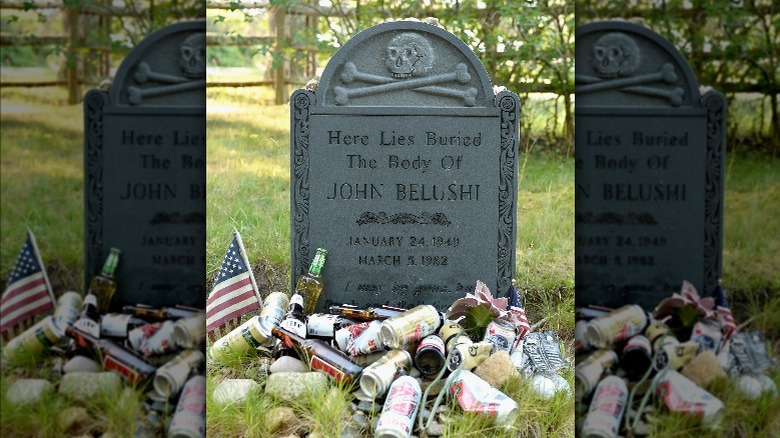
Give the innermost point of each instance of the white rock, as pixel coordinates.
(543, 386)
(288, 364)
(294, 386)
(28, 391)
(234, 390)
(88, 386)
(81, 364)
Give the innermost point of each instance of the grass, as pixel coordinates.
(248, 189)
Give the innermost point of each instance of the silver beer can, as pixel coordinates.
(242, 340)
(169, 378)
(410, 326)
(616, 326)
(588, 372)
(35, 340)
(67, 309)
(377, 377)
(189, 420)
(400, 409)
(273, 311)
(190, 332)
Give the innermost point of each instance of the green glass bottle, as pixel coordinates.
(103, 285)
(310, 285)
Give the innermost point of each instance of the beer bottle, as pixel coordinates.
(150, 313)
(114, 358)
(103, 285)
(310, 285)
(324, 325)
(322, 357)
(88, 318)
(295, 322)
(368, 314)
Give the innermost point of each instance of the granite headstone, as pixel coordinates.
(144, 170)
(649, 158)
(403, 166)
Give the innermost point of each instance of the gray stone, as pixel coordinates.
(360, 419)
(404, 181)
(288, 364)
(435, 429)
(234, 390)
(367, 406)
(73, 418)
(28, 391)
(89, 386)
(649, 170)
(81, 364)
(294, 386)
(144, 172)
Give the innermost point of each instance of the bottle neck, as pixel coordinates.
(111, 261)
(318, 262)
(288, 338)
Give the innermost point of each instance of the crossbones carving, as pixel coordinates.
(425, 84)
(192, 63)
(635, 84)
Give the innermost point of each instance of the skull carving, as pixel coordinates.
(409, 54)
(192, 59)
(615, 54)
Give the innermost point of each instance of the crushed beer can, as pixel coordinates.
(607, 409)
(400, 409)
(542, 352)
(473, 394)
(748, 354)
(189, 420)
(680, 394)
(469, 356)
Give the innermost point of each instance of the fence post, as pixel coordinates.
(72, 65)
(280, 86)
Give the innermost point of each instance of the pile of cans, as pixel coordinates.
(404, 351)
(630, 362)
(161, 348)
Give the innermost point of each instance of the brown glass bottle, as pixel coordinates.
(114, 358)
(368, 314)
(310, 285)
(322, 357)
(294, 322)
(103, 285)
(160, 313)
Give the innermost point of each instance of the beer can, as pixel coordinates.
(680, 394)
(325, 325)
(500, 333)
(169, 378)
(449, 332)
(35, 340)
(190, 332)
(580, 328)
(274, 306)
(674, 355)
(637, 356)
(243, 339)
(400, 409)
(429, 356)
(368, 341)
(707, 334)
(160, 342)
(189, 420)
(377, 377)
(655, 332)
(410, 326)
(588, 372)
(606, 410)
(616, 326)
(67, 309)
(345, 335)
(137, 336)
(473, 394)
(469, 356)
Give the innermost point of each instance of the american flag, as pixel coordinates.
(28, 292)
(235, 291)
(723, 315)
(515, 307)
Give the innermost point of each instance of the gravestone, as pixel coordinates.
(649, 158)
(144, 171)
(403, 166)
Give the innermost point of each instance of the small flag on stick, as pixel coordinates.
(235, 290)
(28, 292)
(516, 308)
(723, 315)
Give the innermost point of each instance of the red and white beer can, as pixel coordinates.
(367, 342)
(606, 410)
(189, 421)
(680, 394)
(400, 409)
(473, 394)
